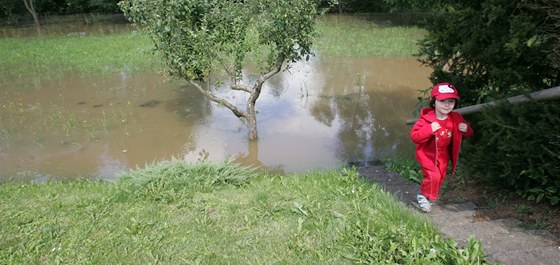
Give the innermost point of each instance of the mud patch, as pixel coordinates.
(150, 104)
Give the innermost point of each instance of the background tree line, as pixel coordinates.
(13, 11)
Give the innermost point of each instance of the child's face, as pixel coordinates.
(444, 107)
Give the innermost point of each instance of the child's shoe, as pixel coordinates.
(423, 203)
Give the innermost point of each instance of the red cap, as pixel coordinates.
(444, 90)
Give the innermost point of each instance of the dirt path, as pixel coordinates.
(504, 240)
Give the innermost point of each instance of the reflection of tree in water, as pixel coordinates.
(252, 159)
(275, 86)
(190, 105)
(372, 122)
(323, 111)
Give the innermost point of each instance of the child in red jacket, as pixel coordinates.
(437, 135)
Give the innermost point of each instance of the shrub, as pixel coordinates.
(489, 49)
(518, 147)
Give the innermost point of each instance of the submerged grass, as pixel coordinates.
(28, 119)
(179, 213)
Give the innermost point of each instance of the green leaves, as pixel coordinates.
(204, 39)
(407, 168)
(489, 49)
(517, 147)
(199, 37)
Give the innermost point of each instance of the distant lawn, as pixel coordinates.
(179, 213)
(129, 52)
(54, 55)
(353, 36)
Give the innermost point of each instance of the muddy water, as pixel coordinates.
(320, 114)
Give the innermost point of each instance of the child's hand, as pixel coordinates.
(463, 127)
(435, 126)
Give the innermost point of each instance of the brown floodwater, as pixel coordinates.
(317, 116)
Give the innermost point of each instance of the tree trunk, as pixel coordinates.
(251, 114)
(252, 121)
(31, 8)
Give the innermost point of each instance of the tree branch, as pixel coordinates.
(260, 81)
(238, 113)
(29, 5)
(241, 88)
(272, 72)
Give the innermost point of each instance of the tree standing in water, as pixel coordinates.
(210, 43)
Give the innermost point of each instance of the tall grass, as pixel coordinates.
(178, 213)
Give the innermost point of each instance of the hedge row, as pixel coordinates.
(518, 147)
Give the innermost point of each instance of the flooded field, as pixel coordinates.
(319, 115)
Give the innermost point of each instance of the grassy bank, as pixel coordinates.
(177, 213)
(52, 56)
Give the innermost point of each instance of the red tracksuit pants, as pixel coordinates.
(433, 177)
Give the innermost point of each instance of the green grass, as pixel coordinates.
(179, 213)
(53, 56)
(351, 36)
(406, 168)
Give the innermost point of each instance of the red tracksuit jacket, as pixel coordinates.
(425, 140)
